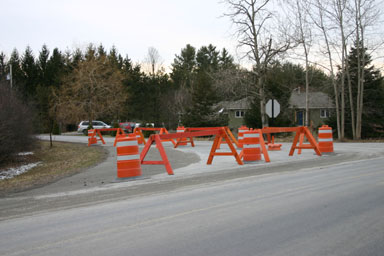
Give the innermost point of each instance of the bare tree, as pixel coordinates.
(323, 17)
(300, 10)
(366, 14)
(258, 31)
(93, 89)
(154, 60)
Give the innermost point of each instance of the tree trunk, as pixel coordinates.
(351, 105)
(262, 102)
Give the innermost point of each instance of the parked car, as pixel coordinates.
(83, 126)
(127, 126)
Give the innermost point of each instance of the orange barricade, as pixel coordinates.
(298, 130)
(325, 139)
(274, 147)
(240, 137)
(158, 138)
(226, 129)
(93, 133)
(128, 159)
(185, 140)
(92, 137)
(164, 131)
(181, 141)
(119, 133)
(301, 143)
(139, 135)
(251, 146)
(254, 146)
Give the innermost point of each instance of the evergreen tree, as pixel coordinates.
(202, 112)
(226, 60)
(42, 66)
(373, 111)
(56, 69)
(184, 66)
(114, 58)
(30, 75)
(17, 74)
(207, 59)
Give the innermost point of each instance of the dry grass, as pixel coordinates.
(62, 160)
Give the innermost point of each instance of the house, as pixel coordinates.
(321, 107)
(235, 111)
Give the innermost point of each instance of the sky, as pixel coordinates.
(132, 26)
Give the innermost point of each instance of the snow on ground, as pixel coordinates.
(12, 172)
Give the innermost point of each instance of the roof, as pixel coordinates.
(235, 105)
(316, 100)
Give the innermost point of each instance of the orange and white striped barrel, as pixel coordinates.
(325, 139)
(240, 135)
(183, 141)
(92, 137)
(251, 146)
(128, 157)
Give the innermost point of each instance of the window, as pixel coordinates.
(324, 113)
(239, 114)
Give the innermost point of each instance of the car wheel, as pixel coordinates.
(85, 132)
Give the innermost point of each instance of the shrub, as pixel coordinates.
(16, 128)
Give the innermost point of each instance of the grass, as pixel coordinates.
(62, 160)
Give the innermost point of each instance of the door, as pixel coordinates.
(300, 117)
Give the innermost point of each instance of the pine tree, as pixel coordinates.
(203, 112)
(30, 75)
(373, 111)
(17, 74)
(207, 59)
(183, 67)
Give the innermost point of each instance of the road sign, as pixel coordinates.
(272, 108)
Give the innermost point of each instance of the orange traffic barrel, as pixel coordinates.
(240, 135)
(128, 157)
(251, 146)
(183, 141)
(325, 139)
(92, 137)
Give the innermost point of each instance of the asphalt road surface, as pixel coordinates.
(335, 209)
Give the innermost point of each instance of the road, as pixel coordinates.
(329, 210)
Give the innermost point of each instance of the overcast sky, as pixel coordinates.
(131, 25)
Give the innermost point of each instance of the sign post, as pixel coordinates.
(272, 108)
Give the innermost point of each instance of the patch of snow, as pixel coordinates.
(12, 172)
(25, 153)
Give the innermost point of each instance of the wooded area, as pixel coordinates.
(318, 45)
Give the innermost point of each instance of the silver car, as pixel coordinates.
(83, 126)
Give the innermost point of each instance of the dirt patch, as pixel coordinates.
(62, 160)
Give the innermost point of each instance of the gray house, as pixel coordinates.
(235, 111)
(320, 107)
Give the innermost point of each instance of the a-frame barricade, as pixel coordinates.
(159, 138)
(185, 140)
(155, 138)
(216, 144)
(304, 132)
(139, 135)
(301, 142)
(164, 131)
